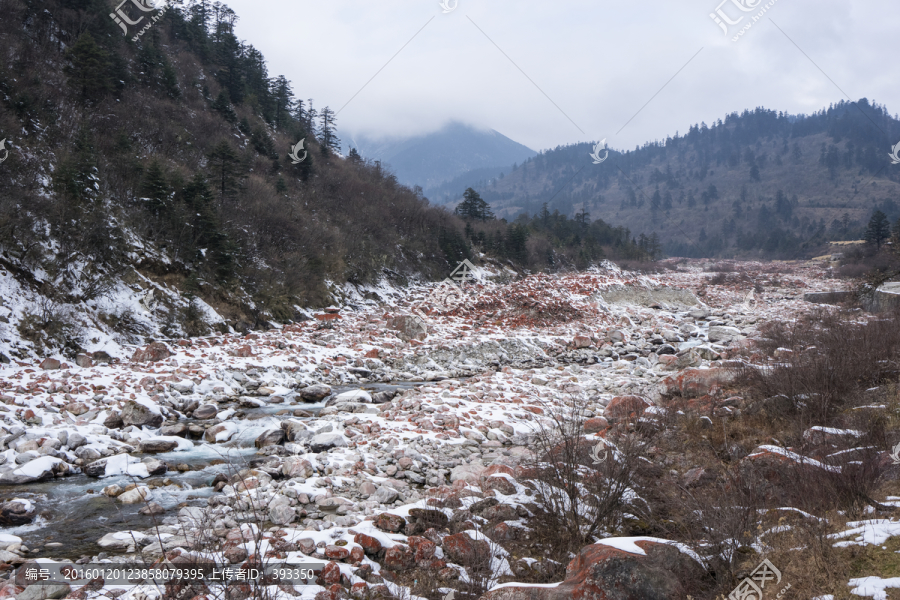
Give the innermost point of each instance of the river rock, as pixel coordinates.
(314, 393)
(272, 437)
(38, 469)
(295, 466)
(721, 333)
(157, 446)
(295, 431)
(152, 508)
(45, 591)
(138, 494)
(75, 440)
(135, 413)
(326, 441)
(206, 411)
(16, 512)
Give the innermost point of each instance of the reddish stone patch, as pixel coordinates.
(327, 317)
(622, 407)
(463, 550)
(330, 574)
(595, 425)
(390, 523)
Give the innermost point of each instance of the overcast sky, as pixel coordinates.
(557, 72)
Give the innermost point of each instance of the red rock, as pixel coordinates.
(463, 550)
(370, 545)
(327, 317)
(595, 425)
(336, 552)
(581, 341)
(50, 364)
(390, 523)
(357, 554)
(154, 352)
(500, 484)
(399, 558)
(331, 573)
(495, 469)
(601, 572)
(359, 591)
(423, 548)
(373, 353)
(693, 382)
(534, 409)
(501, 532)
(244, 352)
(622, 407)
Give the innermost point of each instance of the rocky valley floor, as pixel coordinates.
(398, 456)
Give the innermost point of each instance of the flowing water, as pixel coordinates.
(74, 512)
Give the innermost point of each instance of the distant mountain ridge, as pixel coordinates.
(432, 159)
(760, 182)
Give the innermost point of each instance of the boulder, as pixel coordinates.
(399, 558)
(75, 440)
(84, 361)
(295, 466)
(114, 421)
(218, 433)
(470, 473)
(156, 446)
(282, 514)
(370, 545)
(139, 415)
(39, 469)
(408, 327)
(272, 437)
(622, 407)
(154, 352)
(326, 441)
(88, 454)
(155, 466)
(463, 550)
(693, 383)
(138, 494)
(595, 425)
(384, 495)
(390, 523)
(581, 341)
(649, 570)
(206, 411)
(76, 408)
(174, 430)
(50, 364)
(152, 508)
(16, 512)
(314, 393)
(295, 431)
(45, 591)
(721, 333)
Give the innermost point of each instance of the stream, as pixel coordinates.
(74, 514)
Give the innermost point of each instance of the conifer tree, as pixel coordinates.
(878, 230)
(88, 68)
(223, 163)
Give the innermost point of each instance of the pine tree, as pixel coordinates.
(155, 188)
(878, 230)
(329, 142)
(223, 162)
(474, 207)
(88, 68)
(283, 101)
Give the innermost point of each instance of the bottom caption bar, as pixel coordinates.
(49, 572)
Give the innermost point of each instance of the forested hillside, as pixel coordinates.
(157, 166)
(758, 183)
